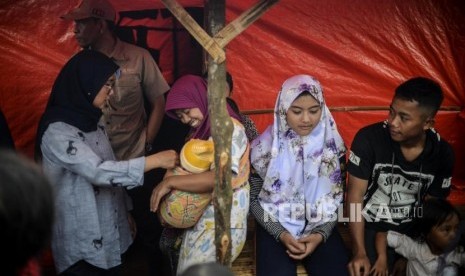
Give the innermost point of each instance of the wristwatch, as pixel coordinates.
(148, 147)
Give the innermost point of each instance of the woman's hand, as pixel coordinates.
(162, 189)
(166, 159)
(310, 243)
(293, 246)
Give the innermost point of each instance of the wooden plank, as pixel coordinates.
(349, 108)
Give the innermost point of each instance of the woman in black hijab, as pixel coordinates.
(74, 90)
(91, 228)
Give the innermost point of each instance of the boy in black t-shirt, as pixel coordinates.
(393, 166)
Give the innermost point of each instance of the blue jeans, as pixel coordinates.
(329, 258)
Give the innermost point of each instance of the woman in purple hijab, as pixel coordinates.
(187, 102)
(188, 94)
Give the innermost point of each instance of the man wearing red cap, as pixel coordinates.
(130, 129)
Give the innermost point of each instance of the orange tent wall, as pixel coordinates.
(359, 50)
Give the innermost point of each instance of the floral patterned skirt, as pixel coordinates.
(197, 244)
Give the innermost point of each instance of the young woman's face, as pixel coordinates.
(304, 114)
(104, 93)
(441, 236)
(190, 116)
(407, 121)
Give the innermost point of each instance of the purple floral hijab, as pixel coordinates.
(190, 91)
(302, 176)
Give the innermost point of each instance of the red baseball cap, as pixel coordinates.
(92, 8)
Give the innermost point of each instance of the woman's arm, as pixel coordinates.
(195, 183)
(63, 147)
(325, 229)
(267, 222)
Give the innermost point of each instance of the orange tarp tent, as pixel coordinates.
(359, 50)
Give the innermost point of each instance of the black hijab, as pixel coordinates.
(74, 90)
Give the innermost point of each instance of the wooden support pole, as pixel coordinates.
(221, 130)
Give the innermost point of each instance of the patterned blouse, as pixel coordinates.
(91, 203)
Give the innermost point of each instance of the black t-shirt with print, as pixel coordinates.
(395, 185)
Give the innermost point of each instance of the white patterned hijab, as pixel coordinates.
(302, 174)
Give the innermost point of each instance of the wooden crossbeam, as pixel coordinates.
(238, 25)
(214, 45)
(207, 42)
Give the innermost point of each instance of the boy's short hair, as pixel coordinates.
(425, 91)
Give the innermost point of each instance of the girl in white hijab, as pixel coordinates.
(300, 161)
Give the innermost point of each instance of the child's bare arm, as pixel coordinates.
(380, 267)
(381, 243)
